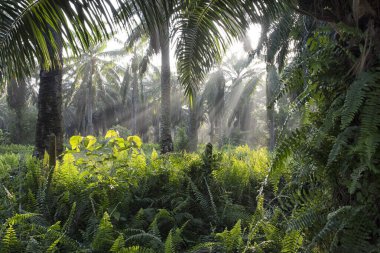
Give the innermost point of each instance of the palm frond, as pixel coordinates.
(27, 27)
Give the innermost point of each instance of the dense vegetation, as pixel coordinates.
(111, 195)
(292, 126)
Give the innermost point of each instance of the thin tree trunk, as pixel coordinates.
(19, 133)
(156, 127)
(193, 127)
(270, 109)
(135, 98)
(143, 125)
(212, 131)
(165, 135)
(16, 99)
(89, 127)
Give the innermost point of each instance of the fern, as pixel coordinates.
(170, 246)
(9, 243)
(232, 240)
(333, 224)
(355, 98)
(69, 220)
(283, 152)
(209, 246)
(118, 244)
(136, 249)
(340, 143)
(292, 242)
(103, 238)
(20, 218)
(138, 236)
(212, 202)
(369, 139)
(202, 200)
(356, 175)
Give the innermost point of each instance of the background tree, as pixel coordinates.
(93, 88)
(17, 100)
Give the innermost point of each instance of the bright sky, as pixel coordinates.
(236, 48)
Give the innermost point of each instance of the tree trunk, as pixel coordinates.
(49, 119)
(143, 126)
(165, 124)
(219, 108)
(89, 127)
(16, 99)
(193, 127)
(156, 126)
(49, 105)
(212, 131)
(135, 98)
(270, 109)
(18, 133)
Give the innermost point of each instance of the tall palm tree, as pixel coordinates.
(92, 84)
(36, 32)
(200, 42)
(49, 127)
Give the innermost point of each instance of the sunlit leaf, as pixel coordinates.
(111, 134)
(91, 141)
(75, 141)
(135, 140)
(154, 155)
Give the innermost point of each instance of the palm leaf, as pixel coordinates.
(27, 27)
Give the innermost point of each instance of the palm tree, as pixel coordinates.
(36, 32)
(200, 41)
(92, 85)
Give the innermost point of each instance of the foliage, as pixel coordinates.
(108, 195)
(326, 171)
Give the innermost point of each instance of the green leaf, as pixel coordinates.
(135, 140)
(91, 141)
(111, 134)
(75, 141)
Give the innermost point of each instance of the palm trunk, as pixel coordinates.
(212, 131)
(49, 121)
(156, 127)
(135, 98)
(16, 99)
(165, 135)
(89, 127)
(193, 127)
(18, 138)
(143, 126)
(270, 110)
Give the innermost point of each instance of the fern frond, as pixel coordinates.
(355, 97)
(118, 244)
(212, 202)
(69, 220)
(145, 239)
(20, 218)
(9, 241)
(170, 246)
(356, 175)
(283, 152)
(203, 201)
(209, 246)
(292, 242)
(334, 222)
(304, 220)
(136, 249)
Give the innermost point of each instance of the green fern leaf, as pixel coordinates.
(292, 242)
